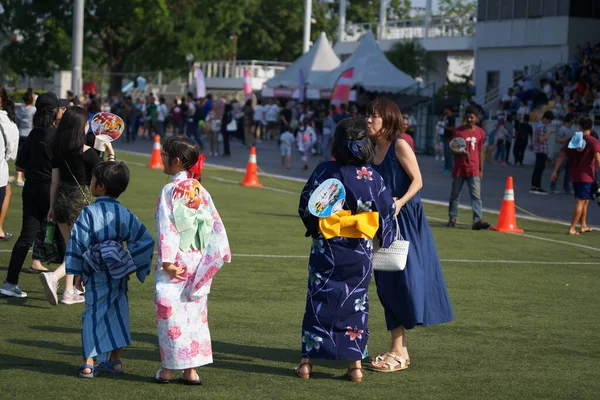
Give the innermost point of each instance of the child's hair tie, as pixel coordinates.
(354, 146)
(196, 169)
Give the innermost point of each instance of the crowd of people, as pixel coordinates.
(372, 156)
(571, 88)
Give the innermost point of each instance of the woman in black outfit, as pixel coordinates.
(72, 164)
(523, 132)
(227, 118)
(34, 160)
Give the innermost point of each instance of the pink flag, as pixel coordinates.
(247, 84)
(341, 90)
(200, 83)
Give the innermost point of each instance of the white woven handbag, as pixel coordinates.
(394, 257)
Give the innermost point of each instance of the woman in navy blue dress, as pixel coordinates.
(340, 264)
(416, 295)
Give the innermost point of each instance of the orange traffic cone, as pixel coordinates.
(507, 220)
(156, 159)
(251, 178)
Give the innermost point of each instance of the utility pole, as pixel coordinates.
(382, 19)
(77, 51)
(342, 27)
(307, 22)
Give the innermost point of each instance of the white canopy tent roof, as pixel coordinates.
(315, 63)
(372, 70)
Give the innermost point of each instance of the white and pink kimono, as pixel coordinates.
(190, 234)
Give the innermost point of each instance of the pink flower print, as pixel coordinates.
(364, 173)
(174, 332)
(206, 348)
(227, 255)
(194, 348)
(165, 252)
(354, 333)
(184, 354)
(203, 317)
(207, 276)
(163, 308)
(172, 229)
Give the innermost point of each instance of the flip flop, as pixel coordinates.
(90, 375)
(158, 379)
(32, 270)
(387, 366)
(587, 230)
(7, 236)
(110, 367)
(197, 381)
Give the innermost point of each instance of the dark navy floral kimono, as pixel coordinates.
(340, 269)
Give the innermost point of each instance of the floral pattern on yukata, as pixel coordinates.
(335, 324)
(181, 306)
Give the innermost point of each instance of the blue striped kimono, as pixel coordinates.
(106, 315)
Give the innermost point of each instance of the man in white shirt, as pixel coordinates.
(161, 115)
(259, 120)
(564, 135)
(508, 99)
(272, 117)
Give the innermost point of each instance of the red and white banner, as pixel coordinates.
(341, 90)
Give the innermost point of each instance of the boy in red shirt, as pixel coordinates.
(583, 152)
(468, 167)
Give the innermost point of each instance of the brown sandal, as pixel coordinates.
(353, 378)
(301, 375)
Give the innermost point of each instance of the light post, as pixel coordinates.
(234, 43)
(190, 59)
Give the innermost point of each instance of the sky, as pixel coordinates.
(421, 3)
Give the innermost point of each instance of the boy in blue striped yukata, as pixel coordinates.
(96, 254)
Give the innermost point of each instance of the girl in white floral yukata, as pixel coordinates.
(192, 247)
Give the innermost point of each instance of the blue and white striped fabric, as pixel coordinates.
(111, 256)
(106, 315)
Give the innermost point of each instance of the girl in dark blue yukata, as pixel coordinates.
(340, 264)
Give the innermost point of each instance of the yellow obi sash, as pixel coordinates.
(363, 225)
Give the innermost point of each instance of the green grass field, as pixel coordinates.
(522, 330)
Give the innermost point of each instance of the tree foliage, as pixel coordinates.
(411, 58)
(143, 35)
(457, 8)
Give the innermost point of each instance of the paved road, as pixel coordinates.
(436, 184)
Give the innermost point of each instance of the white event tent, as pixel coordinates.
(372, 70)
(315, 63)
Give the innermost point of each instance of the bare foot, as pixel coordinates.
(586, 229)
(573, 232)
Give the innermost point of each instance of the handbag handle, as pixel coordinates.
(398, 234)
(78, 185)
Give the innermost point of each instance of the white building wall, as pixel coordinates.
(509, 59)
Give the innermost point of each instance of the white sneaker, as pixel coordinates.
(8, 289)
(72, 298)
(50, 284)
